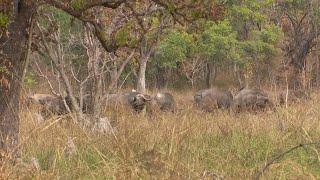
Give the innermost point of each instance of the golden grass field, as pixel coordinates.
(187, 145)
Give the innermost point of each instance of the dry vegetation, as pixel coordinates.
(187, 145)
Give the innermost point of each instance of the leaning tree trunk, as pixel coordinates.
(298, 60)
(208, 75)
(160, 77)
(95, 89)
(113, 77)
(237, 76)
(13, 53)
(141, 84)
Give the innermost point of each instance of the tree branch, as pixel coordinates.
(93, 3)
(272, 161)
(123, 65)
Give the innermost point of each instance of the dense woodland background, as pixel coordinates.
(229, 44)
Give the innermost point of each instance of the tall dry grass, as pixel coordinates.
(187, 145)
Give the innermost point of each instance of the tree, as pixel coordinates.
(303, 19)
(151, 20)
(259, 51)
(219, 46)
(174, 48)
(14, 48)
(256, 35)
(15, 24)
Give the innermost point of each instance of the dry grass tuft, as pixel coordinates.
(187, 145)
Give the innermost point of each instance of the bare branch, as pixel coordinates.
(273, 160)
(123, 65)
(58, 62)
(40, 73)
(93, 3)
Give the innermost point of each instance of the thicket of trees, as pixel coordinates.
(99, 46)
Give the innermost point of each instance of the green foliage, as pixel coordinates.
(244, 10)
(4, 70)
(244, 15)
(171, 7)
(248, 150)
(245, 36)
(68, 28)
(30, 80)
(196, 14)
(45, 157)
(262, 45)
(79, 4)
(296, 4)
(297, 9)
(270, 34)
(4, 20)
(64, 21)
(219, 44)
(175, 47)
(124, 36)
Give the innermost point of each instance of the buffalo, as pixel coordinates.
(86, 99)
(211, 99)
(48, 104)
(251, 99)
(163, 102)
(135, 100)
(52, 104)
(138, 101)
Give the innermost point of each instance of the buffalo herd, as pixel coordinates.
(207, 100)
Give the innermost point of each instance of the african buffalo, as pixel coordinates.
(250, 99)
(211, 99)
(135, 100)
(85, 102)
(163, 102)
(50, 104)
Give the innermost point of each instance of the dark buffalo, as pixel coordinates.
(211, 99)
(86, 99)
(135, 100)
(251, 99)
(47, 104)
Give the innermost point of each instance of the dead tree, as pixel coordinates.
(56, 54)
(301, 32)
